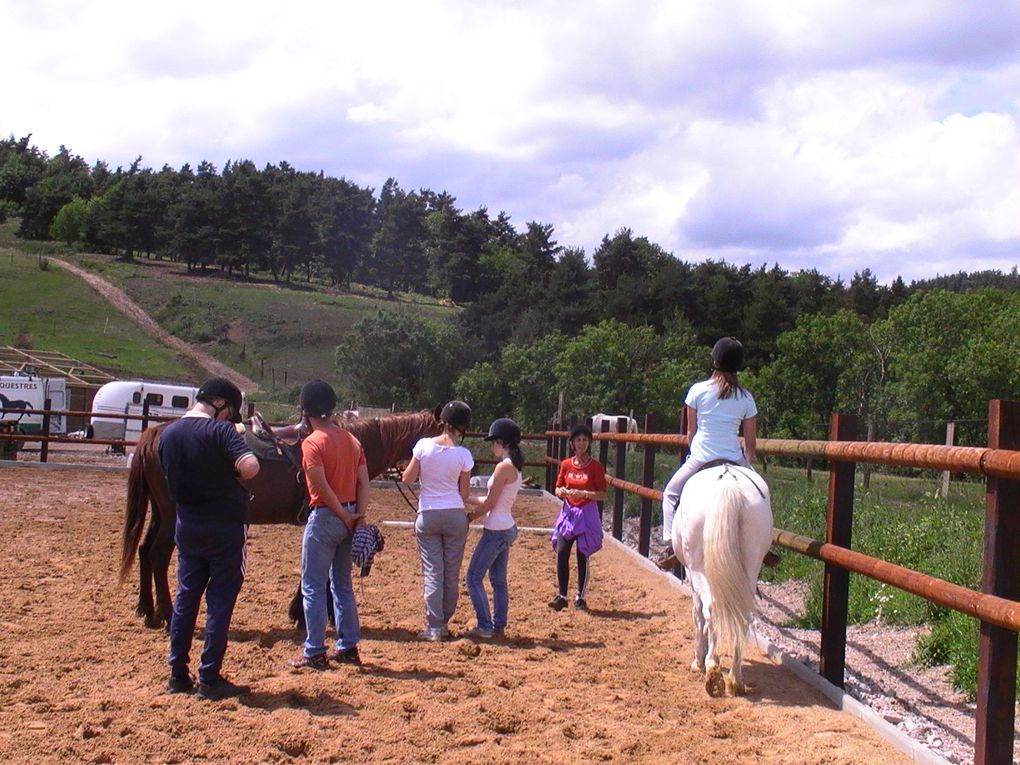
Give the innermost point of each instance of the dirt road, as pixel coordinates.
(82, 681)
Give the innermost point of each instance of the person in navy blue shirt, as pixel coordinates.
(203, 458)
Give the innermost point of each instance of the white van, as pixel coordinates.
(27, 394)
(129, 397)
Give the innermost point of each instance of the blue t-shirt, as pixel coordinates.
(198, 456)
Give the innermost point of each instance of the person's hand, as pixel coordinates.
(351, 520)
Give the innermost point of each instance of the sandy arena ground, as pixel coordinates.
(81, 680)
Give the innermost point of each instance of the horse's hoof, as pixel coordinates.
(735, 689)
(715, 684)
(697, 666)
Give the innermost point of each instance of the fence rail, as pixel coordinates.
(996, 606)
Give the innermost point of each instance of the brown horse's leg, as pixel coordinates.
(159, 557)
(146, 608)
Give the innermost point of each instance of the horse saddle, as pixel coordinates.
(266, 446)
(259, 437)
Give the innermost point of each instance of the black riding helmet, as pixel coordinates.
(728, 355)
(506, 430)
(221, 388)
(456, 414)
(318, 399)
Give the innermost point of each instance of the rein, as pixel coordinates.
(400, 487)
(728, 465)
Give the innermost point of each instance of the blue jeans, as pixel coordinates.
(492, 554)
(210, 560)
(325, 565)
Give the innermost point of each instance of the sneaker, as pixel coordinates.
(317, 662)
(558, 603)
(219, 689)
(345, 655)
(180, 684)
(481, 632)
(432, 634)
(580, 604)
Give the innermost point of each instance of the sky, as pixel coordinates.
(812, 134)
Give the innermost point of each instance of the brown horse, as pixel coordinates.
(276, 494)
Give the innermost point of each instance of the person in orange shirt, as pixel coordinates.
(338, 490)
(580, 483)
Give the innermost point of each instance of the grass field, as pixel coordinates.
(45, 308)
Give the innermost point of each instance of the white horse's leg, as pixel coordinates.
(700, 634)
(735, 679)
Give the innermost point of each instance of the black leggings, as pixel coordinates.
(563, 547)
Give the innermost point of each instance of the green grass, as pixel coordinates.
(45, 308)
(279, 334)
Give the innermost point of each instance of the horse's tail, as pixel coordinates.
(137, 501)
(730, 584)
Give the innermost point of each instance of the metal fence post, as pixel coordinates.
(619, 472)
(44, 447)
(145, 416)
(603, 458)
(838, 524)
(996, 680)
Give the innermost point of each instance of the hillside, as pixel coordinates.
(46, 308)
(278, 334)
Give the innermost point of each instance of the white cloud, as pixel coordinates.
(800, 131)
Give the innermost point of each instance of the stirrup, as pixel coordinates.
(667, 563)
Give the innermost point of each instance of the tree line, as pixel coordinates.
(626, 329)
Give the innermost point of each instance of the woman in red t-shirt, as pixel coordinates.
(580, 483)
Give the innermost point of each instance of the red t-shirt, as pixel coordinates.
(340, 454)
(591, 477)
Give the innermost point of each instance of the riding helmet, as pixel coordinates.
(728, 355)
(222, 388)
(456, 414)
(318, 399)
(506, 430)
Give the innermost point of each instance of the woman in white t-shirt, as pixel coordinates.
(443, 468)
(718, 409)
(499, 530)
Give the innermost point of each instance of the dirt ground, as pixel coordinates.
(81, 680)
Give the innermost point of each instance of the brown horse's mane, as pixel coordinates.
(389, 438)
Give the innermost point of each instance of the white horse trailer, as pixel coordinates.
(129, 397)
(26, 395)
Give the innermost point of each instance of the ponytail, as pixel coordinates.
(516, 457)
(727, 385)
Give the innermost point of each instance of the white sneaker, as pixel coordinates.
(432, 634)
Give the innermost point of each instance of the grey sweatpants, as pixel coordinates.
(441, 537)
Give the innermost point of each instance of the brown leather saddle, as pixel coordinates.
(266, 446)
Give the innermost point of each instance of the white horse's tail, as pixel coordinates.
(732, 591)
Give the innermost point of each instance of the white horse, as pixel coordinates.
(612, 419)
(721, 532)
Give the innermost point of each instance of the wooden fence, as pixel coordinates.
(996, 605)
